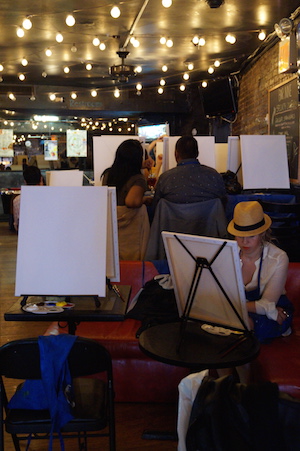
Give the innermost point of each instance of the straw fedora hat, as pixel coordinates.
(248, 219)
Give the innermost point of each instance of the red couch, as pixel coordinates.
(141, 379)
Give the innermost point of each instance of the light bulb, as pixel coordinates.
(261, 35)
(70, 20)
(164, 68)
(59, 37)
(169, 43)
(163, 40)
(115, 12)
(66, 69)
(21, 77)
(202, 42)
(20, 32)
(96, 41)
(190, 66)
(182, 87)
(160, 90)
(102, 46)
(185, 76)
(12, 96)
(162, 82)
(230, 38)
(117, 93)
(52, 97)
(48, 52)
(24, 62)
(166, 3)
(195, 40)
(210, 70)
(94, 93)
(139, 86)
(204, 84)
(74, 95)
(27, 24)
(89, 66)
(138, 69)
(1, 67)
(217, 63)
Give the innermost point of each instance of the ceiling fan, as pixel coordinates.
(122, 72)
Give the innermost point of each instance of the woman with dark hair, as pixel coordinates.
(133, 223)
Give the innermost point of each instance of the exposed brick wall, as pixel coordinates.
(255, 82)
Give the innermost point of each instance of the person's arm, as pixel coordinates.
(16, 212)
(272, 291)
(135, 197)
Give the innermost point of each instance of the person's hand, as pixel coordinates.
(282, 315)
(147, 164)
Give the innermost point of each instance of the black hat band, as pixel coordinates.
(250, 227)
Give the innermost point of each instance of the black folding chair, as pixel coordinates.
(93, 395)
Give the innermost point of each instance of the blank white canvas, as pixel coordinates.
(206, 146)
(112, 252)
(62, 241)
(264, 162)
(221, 151)
(234, 157)
(65, 178)
(210, 303)
(104, 150)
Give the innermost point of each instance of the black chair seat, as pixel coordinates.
(92, 396)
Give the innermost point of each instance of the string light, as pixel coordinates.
(27, 24)
(94, 93)
(138, 69)
(166, 3)
(24, 62)
(48, 52)
(59, 37)
(163, 40)
(20, 32)
(185, 76)
(22, 77)
(160, 90)
(217, 63)
(261, 35)
(139, 86)
(66, 69)
(102, 46)
(74, 95)
(230, 38)
(210, 70)
(115, 12)
(182, 88)
(204, 84)
(162, 82)
(70, 20)
(96, 41)
(164, 68)
(169, 43)
(89, 66)
(190, 66)
(117, 93)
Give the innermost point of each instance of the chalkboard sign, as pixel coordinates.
(284, 120)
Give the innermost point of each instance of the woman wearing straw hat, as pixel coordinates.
(264, 271)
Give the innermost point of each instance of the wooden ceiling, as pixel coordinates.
(147, 21)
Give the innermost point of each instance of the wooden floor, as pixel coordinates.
(131, 419)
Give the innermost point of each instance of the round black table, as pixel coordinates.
(198, 349)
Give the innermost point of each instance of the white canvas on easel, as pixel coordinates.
(206, 147)
(72, 177)
(221, 152)
(264, 162)
(104, 151)
(210, 303)
(112, 251)
(62, 241)
(234, 157)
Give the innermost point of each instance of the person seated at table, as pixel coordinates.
(32, 176)
(190, 181)
(264, 271)
(133, 223)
